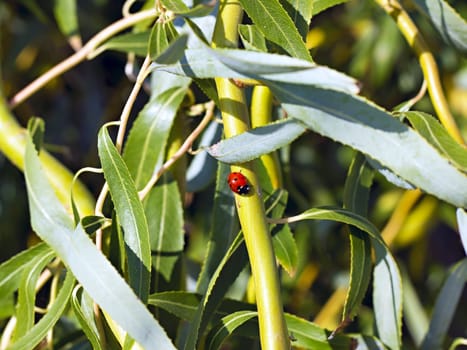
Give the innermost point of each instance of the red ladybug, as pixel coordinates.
(238, 183)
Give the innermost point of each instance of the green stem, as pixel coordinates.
(427, 62)
(13, 145)
(261, 114)
(272, 327)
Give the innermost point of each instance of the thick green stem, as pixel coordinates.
(13, 145)
(273, 330)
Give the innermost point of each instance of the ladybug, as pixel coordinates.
(238, 183)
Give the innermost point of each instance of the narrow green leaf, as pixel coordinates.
(12, 269)
(304, 333)
(7, 307)
(256, 142)
(92, 223)
(27, 295)
(178, 7)
(300, 12)
(36, 128)
(130, 213)
(174, 52)
(275, 24)
(40, 329)
(451, 26)
(365, 127)
(99, 278)
(437, 135)
(165, 220)
(198, 33)
(389, 175)
(321, 5)
(206, 62)
(307, 335)
(145, 147)
(129, 42)
(356, 195)
(252, 38)
(343, 117)
(228, 325)
(461, 223)
(387, 298)
(158, 41)
(181, 304)
(83, 308)
(415, 318)
(387, 290)
(165, 45)
(224, 226)
(285, 247)
(66, 14)
(446, 305)
(227, 270)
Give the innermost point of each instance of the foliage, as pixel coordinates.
(336, 244)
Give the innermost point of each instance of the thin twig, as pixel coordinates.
(181, 151)
(143, 73)
(81, 55)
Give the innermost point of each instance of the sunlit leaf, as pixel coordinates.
(300, 12)
(158, 40)
(437, 135)
(387, 289)
(229, 323)
(303, 333)
(12, 269)
(356, 196)
(174, 52)
(27, 295)
(256, 142)
(205, 62)
(462, 222)
(165, 219)
(83, 308)
(252, 38)
(179, 8)
(46, 323)
(130, 213)
(145, 147)
(99, 278)
(451, 26)
(283, 241)
(275, 24)
(363, 126)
